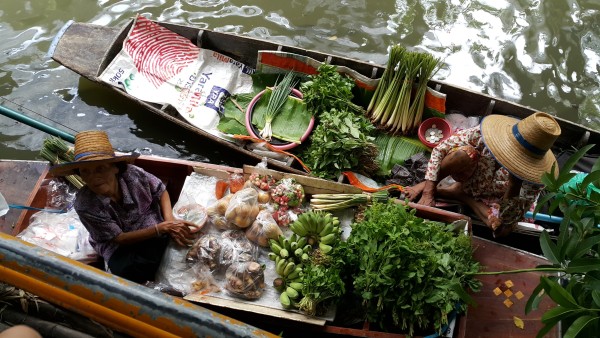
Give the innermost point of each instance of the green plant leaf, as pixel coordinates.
(585, 246)
(578, 325)
(596, 298)
(549, 248)
(544, 330)
(558, 313)
(583, 265)
(592, 280)
(590, 178)
(534, 300)
(558, 294)
(542, 201)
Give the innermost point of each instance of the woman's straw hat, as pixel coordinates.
(522, 146)
(90, 147)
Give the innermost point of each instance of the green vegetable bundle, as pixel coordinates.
(341, 142)
(408, 272)
(56, 151)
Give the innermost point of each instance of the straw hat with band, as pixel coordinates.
(91, 146)
(522, 146)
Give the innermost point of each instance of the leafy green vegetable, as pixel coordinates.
(329, 90)
(409, 272)
(341, 142)
(323, 284)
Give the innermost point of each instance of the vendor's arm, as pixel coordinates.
(180, 230)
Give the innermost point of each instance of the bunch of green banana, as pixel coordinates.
(294, 247)
(319, 228)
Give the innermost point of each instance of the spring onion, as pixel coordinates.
(276, 101)
(343, 201)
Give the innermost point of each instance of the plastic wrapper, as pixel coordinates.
(263, 182)
(263, 228)
(245, 280)
(235, 247)
(176, 272)
(164, 288)
(61, 233)
(59, 194)
(206, 251)
(236, 182)
(194, 213)
(197, 189)
(216, 214)
(287, 193)
(243, 208)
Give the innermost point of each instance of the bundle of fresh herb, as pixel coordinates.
(341, 142)
(277, 99)
(409, 272)
(328, 90)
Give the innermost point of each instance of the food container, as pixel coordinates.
(276, 143)
(433, 131)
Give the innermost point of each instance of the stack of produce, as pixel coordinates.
(56, 151)
(398, 102)
(309, 275)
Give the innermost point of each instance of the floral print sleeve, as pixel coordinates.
(471, 136)
(506, 214)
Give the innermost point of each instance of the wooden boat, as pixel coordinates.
(133, 309)
(88, 49)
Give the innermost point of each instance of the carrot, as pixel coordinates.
(221, 189)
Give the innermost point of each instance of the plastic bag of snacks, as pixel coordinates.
(287, 193)
(245, 280)
(263, 228)
(243, 208)
(235, 247)
(206, 251)
(194, 213)
(216, 214)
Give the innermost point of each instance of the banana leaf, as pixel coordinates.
(395, 150)
(291, 122)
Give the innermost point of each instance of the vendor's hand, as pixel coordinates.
(428, 194)
(178, 230)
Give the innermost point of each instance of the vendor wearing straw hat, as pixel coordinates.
(497, 167)
(126, 210)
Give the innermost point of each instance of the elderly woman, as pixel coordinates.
(126, 210)
(497, 167)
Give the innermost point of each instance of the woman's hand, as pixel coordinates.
(181, 231)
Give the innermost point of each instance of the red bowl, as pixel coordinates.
(440, 124)
(276, 143)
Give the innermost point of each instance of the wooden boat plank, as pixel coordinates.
(492, 318)
(18, 179)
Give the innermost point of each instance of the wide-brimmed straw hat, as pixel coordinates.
(91, 146)
(522, 146)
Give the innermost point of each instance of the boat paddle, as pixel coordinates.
(36, 124)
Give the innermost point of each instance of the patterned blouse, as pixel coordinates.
(139, 209)
(489, 182)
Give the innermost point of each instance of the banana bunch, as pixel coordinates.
(294, 247)
(288, 255)
(319, 228)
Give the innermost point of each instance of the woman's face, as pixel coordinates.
(101, 178)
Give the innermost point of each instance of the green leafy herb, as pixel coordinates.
(408, 272)
(341, 142)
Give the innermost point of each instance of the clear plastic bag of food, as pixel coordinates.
(263, 228)
(243, 208)
(235, 247)
(216, 214)
(206, 251)
(263, 182)
(288, 193)
(194, 213)
(245, 280)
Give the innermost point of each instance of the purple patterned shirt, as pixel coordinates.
(139, 209)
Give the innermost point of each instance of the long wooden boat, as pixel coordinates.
(88, 49)
(138, 311)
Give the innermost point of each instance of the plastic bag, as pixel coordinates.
(62, 233)
(287, 193)
(245, 280)
(194, 213)
(59, 194)
(243, 208)
(216, 214)
(206, 250)
(263, 228)
(235, 247)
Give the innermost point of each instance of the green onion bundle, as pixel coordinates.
(276, 101)
(330, 202)
(56, 151)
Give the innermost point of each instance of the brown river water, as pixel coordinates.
(542, 54)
